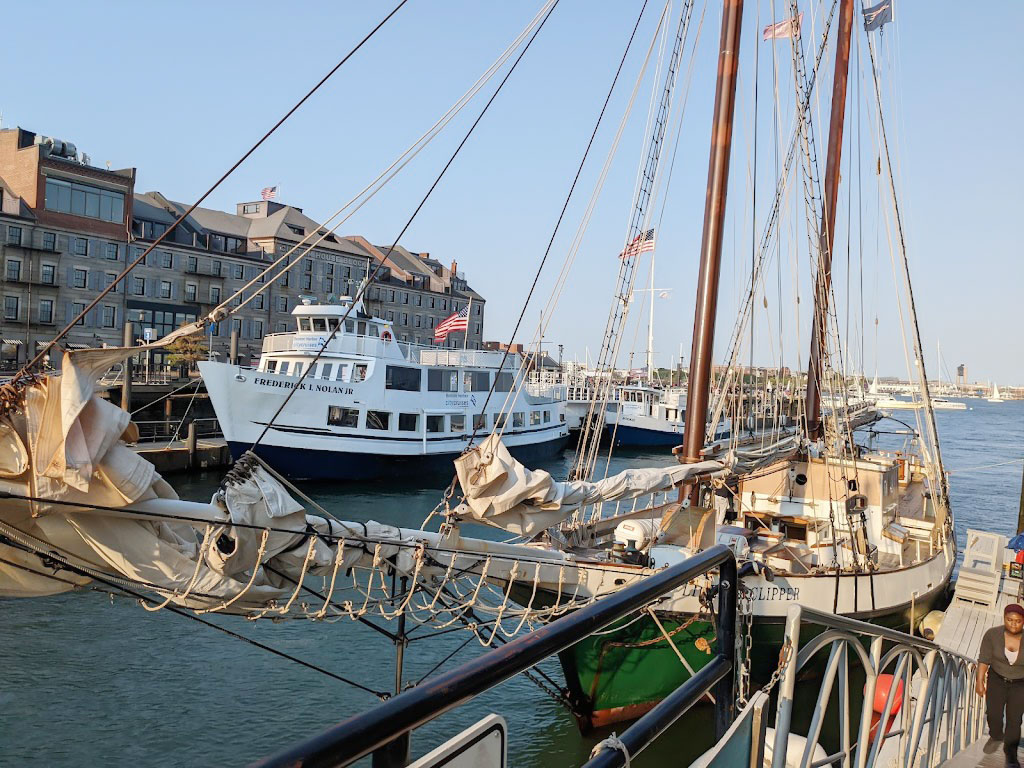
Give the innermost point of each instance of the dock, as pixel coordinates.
(181, 455)
(988, 581)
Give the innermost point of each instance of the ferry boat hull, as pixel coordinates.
(315, 464)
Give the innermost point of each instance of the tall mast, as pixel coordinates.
(828, 221)
(650, 329)
(699, 385)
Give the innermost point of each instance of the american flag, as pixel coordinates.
(783, 29)
(269, 193)
(457, 322)
(641, 243)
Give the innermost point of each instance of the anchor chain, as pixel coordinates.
(745, 641)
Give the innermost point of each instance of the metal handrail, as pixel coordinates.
(363, 734)
(945, 702)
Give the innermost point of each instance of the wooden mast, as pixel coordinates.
(823, 284)
(699, 383)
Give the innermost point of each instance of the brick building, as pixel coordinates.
(67, 229)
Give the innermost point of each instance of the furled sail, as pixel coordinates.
(502, 492)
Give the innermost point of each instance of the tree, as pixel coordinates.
(186, 352)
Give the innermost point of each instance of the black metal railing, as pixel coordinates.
(373, 730)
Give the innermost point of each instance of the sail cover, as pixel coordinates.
(502, 492)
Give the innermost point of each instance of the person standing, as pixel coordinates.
(1000, 679)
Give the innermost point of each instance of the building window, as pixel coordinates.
(476, 309)
(435, 423)
(307, 265)
(191, 291)
(307, 282)
(113, 251)
(329, 284)
(390, 316)
(405, 297)
(81, 246)
(405, 318)
(458, 422)
(108, 280)
(139, 286)
(49, 241)
(79, 278)
(442, 380)
(77, 310)
(251, 208)
(46, 311)
(342, 417)
(407, 422)
(214, 294)
(418, 300)
(47, 273)
(166, 260)
(476, 328)
(10, 307)
(391, 296)
(14, 235)
(417, 321)
(430, 302)
(84, 200)
(282, 303)
(237, 272)
(192, 264)
(328, 269)
(109, 316)
(165, 289)
(257, 301)
(444, 305)
(216, 269)
(402, 378)
(378, 420)
(14, 270)
(257, 329)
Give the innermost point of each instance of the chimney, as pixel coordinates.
(424, 255)
(455, 267)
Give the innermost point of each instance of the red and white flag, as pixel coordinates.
(783, 29)
(269, 193)
(641, 244)
(457, 322)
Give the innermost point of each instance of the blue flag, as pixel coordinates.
(877, 15)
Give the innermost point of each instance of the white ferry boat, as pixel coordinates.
(372, 405)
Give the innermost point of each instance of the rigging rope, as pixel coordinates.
(141, 257)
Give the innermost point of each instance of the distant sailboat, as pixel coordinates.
(996, 397)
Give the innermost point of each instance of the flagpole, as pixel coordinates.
(465, 334)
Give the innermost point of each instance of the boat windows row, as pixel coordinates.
(400, 377)
(435, 423)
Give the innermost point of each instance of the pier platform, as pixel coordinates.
(986, 584)
(179, 455)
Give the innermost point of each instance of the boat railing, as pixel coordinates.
(161, 430)
(377, 730)
(929, 705)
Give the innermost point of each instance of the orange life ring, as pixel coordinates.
(386, 335)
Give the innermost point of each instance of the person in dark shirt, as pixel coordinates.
(1000, 680)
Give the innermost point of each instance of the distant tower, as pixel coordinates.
(961, 376)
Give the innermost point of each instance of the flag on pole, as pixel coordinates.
(457, 322)
(641, 243)
(783, 29)
(269, 193)
(877, 15)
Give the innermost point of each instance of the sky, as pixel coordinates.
(182, 95)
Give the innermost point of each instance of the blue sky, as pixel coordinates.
(181, 94)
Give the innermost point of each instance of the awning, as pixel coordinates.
(72, 345)
(13, 342)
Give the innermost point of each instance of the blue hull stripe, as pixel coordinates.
(308, 464)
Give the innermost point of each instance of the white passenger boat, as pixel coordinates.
(369, 405)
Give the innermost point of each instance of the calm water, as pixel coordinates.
(86, 681)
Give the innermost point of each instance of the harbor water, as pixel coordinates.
(90, 680)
